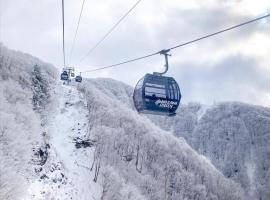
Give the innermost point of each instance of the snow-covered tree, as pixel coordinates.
(20, 129)
(234, 136)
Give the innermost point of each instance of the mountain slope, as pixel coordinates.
(60, 143)
(21, 76)
(146, 157)
(40, 123)
(234, 136)
(66, 173)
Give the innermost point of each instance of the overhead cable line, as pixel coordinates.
(1, 15)
(180, 45)
(110, 30)
(221, 31)
(124, 62)
(63, 23)
(77, 28)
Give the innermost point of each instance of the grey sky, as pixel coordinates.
(233, 66)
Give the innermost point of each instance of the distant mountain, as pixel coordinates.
(234, 136)
(237, 142)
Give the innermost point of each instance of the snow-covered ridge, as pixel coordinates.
(234, 136)
(130, 147)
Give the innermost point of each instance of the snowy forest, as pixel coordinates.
(87, 141)
(25, 89)
(233, 135)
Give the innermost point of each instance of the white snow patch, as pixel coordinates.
(67, 120)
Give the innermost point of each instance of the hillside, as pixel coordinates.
(25, 88)
(66, 173)
(54, 138)
(234, 136)
(60, 142)
(130, 148)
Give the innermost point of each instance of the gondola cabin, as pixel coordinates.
(156, 94)
(64, 76)
(78, 79)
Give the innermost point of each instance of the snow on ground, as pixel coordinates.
(66, 173)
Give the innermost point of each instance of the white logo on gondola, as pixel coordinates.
(165, 103)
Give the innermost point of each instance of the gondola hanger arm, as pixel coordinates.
(164, 52)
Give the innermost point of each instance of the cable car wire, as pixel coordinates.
(63, 23)
(181, 45)
(77, 28)
(1, 20)
(121, 63)
(221, 31)
(110, 30)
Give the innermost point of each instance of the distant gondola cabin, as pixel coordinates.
(78, 79)
(64, 76)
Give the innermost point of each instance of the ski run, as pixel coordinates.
(65, 175)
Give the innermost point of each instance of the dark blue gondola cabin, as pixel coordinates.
(156, 94)
(64, 76)
(78, 79)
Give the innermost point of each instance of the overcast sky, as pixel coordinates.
(234, 66)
